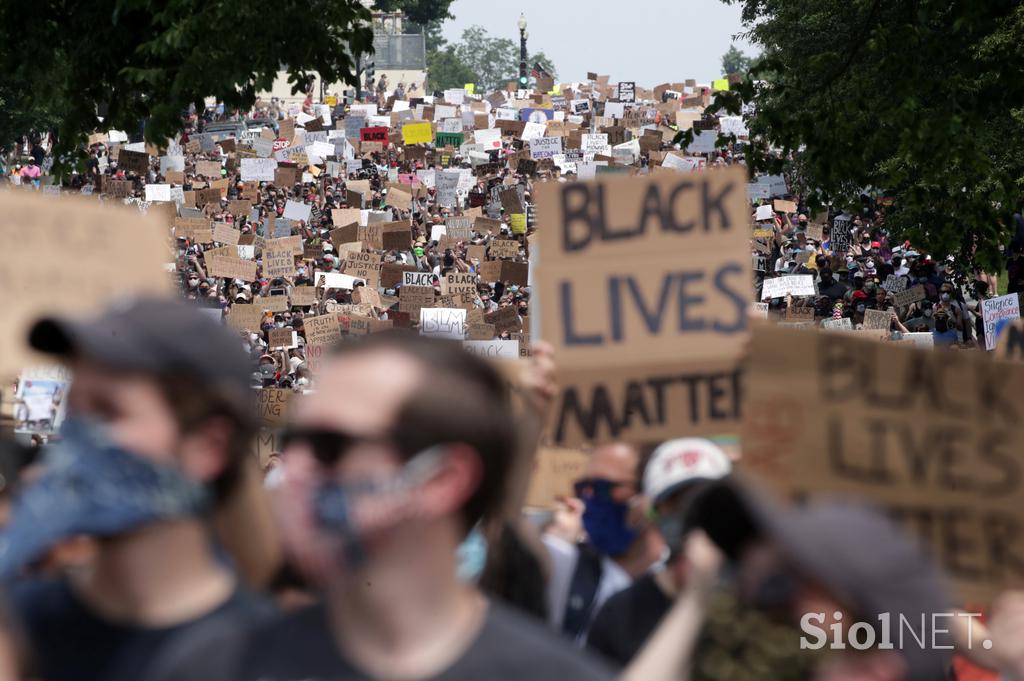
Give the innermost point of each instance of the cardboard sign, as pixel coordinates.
(441, 322)
(278, 263)
(282, 339)
(272, 407)
(133, 161)
(909, 296)
(784, 206)
(997, 313)
(57, 258)
(411, 298)
(815, 232)
(644, 289)
(396, 236)
(797, 314)
(302, 296)
(479, 332)
(391, 273)
(245, 317)
(504, 319)
(322, 330)
(230, 268)
(877, 319)
(932, 437)
(894, 284)
(225, 233)
(457, 282)
(504, 248)
(555, 472)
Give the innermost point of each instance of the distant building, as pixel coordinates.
(400, 57)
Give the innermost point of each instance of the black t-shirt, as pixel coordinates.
(627, 619)
(299, 645)
(72, 643)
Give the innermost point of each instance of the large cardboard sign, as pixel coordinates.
(934, 437)
(643, 289)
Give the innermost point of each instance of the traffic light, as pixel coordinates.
(522, 82)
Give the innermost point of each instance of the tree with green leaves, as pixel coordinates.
(735, 61)
(445, 71)
(147, 62)
(494, 61)
(920, 99)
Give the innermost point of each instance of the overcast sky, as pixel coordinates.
(649, 42)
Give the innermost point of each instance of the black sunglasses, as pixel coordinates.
(327, 445)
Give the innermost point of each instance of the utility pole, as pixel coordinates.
(522, 52)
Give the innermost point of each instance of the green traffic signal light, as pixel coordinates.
(522, 79)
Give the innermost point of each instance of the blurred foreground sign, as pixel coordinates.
(934, 437)
(643, 288)
(71, 256)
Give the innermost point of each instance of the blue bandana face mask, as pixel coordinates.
(605, 523)
(92, 486)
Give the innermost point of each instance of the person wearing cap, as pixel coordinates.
(804, 568)
(156, 441)
(380, 497)
(675, 472)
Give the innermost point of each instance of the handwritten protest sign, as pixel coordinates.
(555, 471)
(997, 313)
(643, 289)
(417, 133)
(272, 407)
(258, 169)
(57, 260)
(795, 284)
(417, 279)
(933, 437)
(442, 322)
(493, 349)
(908, 296)
(877, 319)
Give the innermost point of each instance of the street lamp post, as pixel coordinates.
(522, 52)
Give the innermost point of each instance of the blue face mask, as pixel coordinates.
(472, 556)
(605, 523)
(92, 486)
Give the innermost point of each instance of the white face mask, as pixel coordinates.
(279, 325)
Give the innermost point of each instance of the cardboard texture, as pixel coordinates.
(934, 437)
(644, 290)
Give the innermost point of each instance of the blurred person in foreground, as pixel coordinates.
(676, 471)
(620, 544)
(160, 421)
(824, 564)
(402, 449)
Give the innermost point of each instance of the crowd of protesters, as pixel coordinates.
(383, 537)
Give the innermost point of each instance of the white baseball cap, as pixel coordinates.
(677, 462)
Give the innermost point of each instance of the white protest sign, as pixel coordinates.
(796, 284)
(336, 280)
(158, 192)
(296, 210)
(258, 169)
(703, 142)
(533, 130)
(594, 144)
(686, 164)
(764, 212)
(733, 125)
(545, 147)
(443, 322)
(417, 278)
(842, 324)
(997, 313)
(493, 349)
(489, 138)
